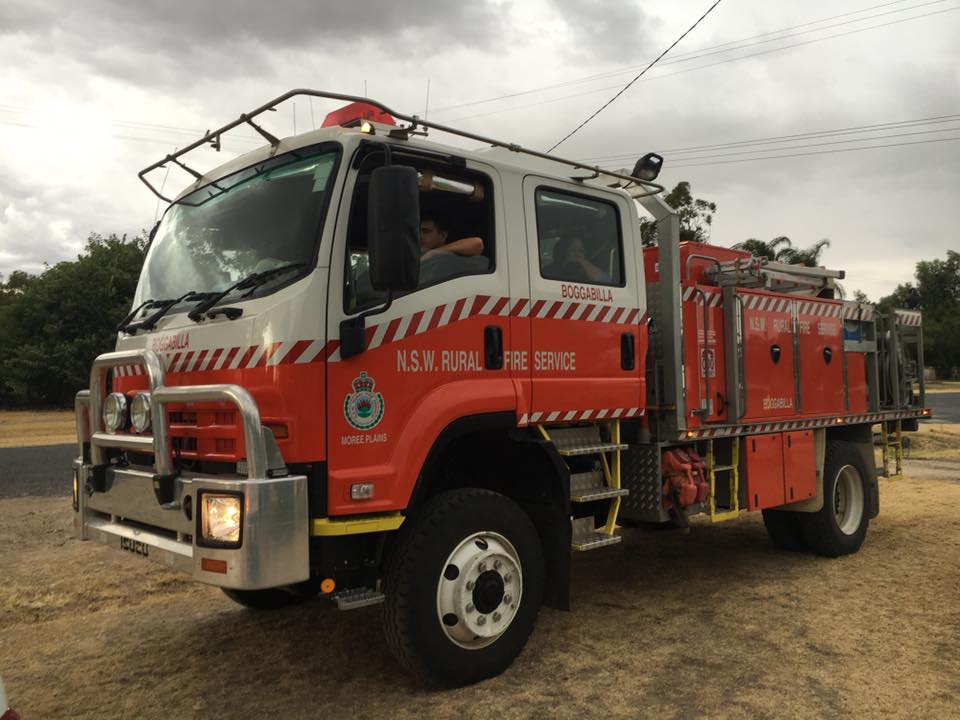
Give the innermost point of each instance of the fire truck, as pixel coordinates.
(323, 389)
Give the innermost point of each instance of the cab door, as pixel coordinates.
(585, 303)
(436, 355)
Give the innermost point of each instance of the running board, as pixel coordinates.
(357, 598)
(586, 537)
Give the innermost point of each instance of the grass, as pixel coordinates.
(23, 428)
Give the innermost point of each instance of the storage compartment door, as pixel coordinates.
(799, 466)
(763, 465)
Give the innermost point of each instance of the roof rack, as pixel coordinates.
(213, 138)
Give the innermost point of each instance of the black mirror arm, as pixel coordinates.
(353, 330)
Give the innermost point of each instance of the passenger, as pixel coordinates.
(433, 240)
(570, 262)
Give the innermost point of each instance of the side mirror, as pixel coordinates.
(648, 167)
(393, 228)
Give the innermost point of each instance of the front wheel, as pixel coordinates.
(840, 526)
(463, 586)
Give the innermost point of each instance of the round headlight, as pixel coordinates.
(140, 412)
(114, 412)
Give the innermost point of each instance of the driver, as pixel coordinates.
(433, 240)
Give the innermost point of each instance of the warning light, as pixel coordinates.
(327, 586)
(839, 421)
(355, 113)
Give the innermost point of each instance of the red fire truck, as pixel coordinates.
(365, 365)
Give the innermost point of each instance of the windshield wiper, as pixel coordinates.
(162, 308)
(252, 282)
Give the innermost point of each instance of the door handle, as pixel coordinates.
(492, 347)
(628, 359)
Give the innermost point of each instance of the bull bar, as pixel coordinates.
(122, 506)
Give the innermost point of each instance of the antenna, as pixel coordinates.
(294, 118)
(426, 104)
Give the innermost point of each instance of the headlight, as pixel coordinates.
(114, 412)
(220, 518)
(140, 412)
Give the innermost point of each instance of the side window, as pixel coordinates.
(456, 228)
(579, 238)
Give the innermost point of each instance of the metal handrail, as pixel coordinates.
(213, 138)
(161, 396)
(256, 449)
(81, 409)
(155, 375)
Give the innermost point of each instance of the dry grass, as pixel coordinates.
(22, 428)
(716, 623)
(934, 441)
(942, 386)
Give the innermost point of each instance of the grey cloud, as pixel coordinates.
(608, 31)
(158, 43)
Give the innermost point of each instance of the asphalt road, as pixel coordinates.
(945, 406)
(41, 470)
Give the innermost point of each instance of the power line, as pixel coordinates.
(706, 66)
(853, 130)
(627, 86)
(702, 52)
(819, 152)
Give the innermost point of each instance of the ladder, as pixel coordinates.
(733, 472)
(763, 274)
(896, 446)
(602, 482)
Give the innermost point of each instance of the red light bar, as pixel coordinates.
(357, 111)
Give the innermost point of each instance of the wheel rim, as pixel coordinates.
(479, 590)
(848, 499)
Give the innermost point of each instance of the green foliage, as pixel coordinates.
(781, 249)
(696, 216)
(937, 295)
(53, 325)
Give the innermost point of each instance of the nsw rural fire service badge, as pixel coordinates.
(363, 408)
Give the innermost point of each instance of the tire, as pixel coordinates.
(840, 526)
(784, 529)
(273, 598)
(465, 555)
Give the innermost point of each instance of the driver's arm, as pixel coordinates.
(468, 247)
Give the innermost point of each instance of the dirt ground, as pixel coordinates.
(663, 625)
(36, 427)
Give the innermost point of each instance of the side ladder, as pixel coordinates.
(896, 446)
(733, 472)
(602, 482)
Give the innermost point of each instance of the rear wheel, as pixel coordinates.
(839, 528)
(463, 587)
(784, 529)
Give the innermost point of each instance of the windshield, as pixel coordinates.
(258, 219)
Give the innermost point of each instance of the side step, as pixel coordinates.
(589, 486)
(357, 598)
(582, 441)
(586, 537)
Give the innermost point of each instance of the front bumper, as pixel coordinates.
(119, 505)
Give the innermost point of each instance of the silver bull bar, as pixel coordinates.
(117, 505)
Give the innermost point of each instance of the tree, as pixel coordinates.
(937, 295)
(696, 216)
(54, 324)
(771, 250)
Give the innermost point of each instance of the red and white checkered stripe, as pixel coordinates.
(416, 323)
(857, 311)
(552, 416)
(760, 428)
(713, 296)
(908, 317)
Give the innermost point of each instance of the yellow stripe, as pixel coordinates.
(325, 527)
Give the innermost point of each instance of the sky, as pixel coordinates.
(807, 118)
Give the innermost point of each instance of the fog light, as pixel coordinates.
(221, 518)
(361, 491)
(140, 412)
(76, 490)
(114, 412)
